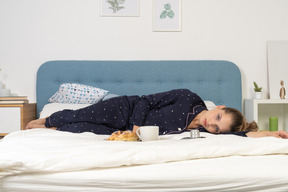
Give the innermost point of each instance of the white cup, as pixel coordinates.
(148, 133)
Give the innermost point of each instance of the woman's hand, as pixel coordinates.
(277, 134)
(282, 134)
(135, 127)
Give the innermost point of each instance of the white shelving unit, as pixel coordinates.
(260, 111)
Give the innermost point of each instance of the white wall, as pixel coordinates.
(35, 31)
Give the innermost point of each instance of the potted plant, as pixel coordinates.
(258, 91)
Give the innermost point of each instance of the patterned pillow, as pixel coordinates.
(77, 94)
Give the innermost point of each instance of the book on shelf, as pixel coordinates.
(13, 98)
(13, 101)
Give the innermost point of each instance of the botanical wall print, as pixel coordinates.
(119, 7)
(167, 15)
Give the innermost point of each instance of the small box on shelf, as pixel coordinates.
(13, 100)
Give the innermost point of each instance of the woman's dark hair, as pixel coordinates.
(239, 122)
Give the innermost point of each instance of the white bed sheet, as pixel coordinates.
(50, 160)
(236, 173)
(46, 150)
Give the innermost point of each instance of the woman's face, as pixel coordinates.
(216, 120)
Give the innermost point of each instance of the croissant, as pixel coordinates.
(123, 136)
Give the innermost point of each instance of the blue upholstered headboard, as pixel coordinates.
(217, 81)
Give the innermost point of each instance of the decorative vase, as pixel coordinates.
(258, 95)
(4, 92)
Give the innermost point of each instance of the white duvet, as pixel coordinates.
(45, 150)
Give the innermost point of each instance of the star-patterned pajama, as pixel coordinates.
(172, 111)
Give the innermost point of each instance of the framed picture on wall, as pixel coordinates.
(167, 15)
(120, 8)
(277, 69)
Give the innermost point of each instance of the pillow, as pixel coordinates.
(109, 96)
(210, 105)
(78, 94)
(50, 108)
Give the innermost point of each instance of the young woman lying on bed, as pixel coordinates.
(174, 111)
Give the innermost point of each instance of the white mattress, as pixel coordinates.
(48, 160)
(237, 173)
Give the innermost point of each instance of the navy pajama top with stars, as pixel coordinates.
(172, 111)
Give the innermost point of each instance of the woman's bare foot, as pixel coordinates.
(38, 123)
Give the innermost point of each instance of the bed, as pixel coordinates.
(45, 160)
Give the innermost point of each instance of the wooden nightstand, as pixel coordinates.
(14, 117)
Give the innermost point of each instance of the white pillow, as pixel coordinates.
(51, 108)
(109, 96)
(78, 94)
(210, 105)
